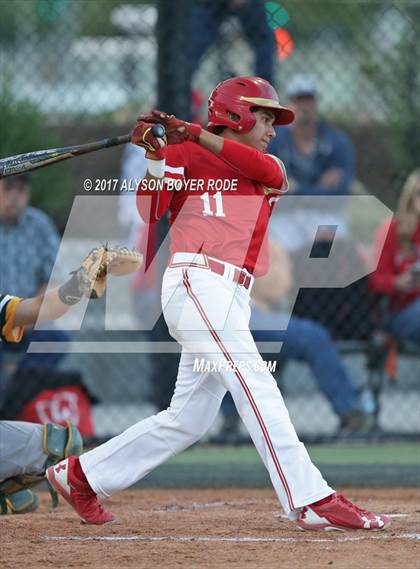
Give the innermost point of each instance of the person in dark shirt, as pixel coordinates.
(319, 161)
(29, 245)
(207, 18)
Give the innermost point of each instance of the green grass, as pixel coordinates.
(403, 453)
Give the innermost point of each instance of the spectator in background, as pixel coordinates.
(319, 162)
(303, 339)
(398, 272)
(28, 248)
(207, 17)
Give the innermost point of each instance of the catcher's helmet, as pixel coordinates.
(239, 95)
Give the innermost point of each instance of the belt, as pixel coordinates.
(200, 261)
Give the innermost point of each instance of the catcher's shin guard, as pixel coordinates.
(20, 502)
(57, 443)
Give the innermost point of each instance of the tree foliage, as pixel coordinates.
(24, 129)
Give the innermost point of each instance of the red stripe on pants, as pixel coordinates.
(245, 388)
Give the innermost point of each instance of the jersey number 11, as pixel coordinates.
(207, 206)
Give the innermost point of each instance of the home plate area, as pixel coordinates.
(235, 528)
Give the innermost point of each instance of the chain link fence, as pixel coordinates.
(72, 71)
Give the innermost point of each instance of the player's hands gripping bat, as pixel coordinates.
(177, 131)
(144, 134)
(41, 158)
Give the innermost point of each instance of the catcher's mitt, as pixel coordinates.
(89, 279)
(122, 261)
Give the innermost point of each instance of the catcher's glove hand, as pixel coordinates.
(122, 261)
(89, 279)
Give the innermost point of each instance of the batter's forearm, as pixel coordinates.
(211, 141)
(152, 201)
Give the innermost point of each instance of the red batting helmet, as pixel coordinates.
(239, 95)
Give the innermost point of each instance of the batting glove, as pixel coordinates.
(143, 136)
(177, 131)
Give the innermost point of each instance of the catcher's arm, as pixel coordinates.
(28, 311)
(88, 280)
(57, 301)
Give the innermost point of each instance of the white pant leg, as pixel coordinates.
(208, 314)
(128, 457)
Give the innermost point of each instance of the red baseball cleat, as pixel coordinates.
(77, 493)
(338, 513)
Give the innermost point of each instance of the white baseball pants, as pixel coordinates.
(208, 314)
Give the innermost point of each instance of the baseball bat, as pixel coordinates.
(33, 160)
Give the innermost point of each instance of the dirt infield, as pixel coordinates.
(233, 528)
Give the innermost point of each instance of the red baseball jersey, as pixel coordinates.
(394, 261)
(217, 207)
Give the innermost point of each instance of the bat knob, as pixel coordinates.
(158, 130)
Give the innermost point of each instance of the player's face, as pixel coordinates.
(262, 132)
(13, 200)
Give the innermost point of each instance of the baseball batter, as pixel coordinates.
(218, 246)
(27, 449)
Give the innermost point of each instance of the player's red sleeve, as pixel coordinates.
(253, 164)
(153, 203)
(383, 279)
